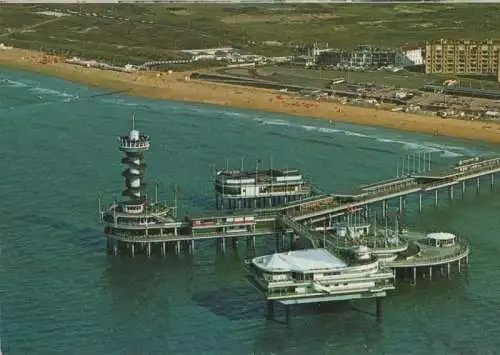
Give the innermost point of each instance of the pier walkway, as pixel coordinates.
(299, 216)
(320, 207)
(432, 256)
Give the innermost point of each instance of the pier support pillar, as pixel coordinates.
(178, 247)
(436, 198)
(458, 264)
(270, 309)
(414, 276)
(234, 242)
(492, 181)
(378, 308)
(448, 267)
(148, 249)
(132, 249)
(115, 247)
(450, 190)
(420, 202)
(463, 190)
(477, 185)
(401, 204)
(223, 244)
(384, 208)
(191, 246)
(430, 273)
(163, 249)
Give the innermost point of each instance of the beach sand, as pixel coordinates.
(175, 87)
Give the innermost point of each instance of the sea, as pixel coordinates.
(62, 294)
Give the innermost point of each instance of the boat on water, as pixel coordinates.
(317, 275)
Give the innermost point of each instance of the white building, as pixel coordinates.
(414, 55)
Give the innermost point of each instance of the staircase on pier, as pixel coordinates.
(289, 223)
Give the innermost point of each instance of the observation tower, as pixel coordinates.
(134, 145)
(137, 222)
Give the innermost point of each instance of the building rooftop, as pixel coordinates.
(238, 174)
(308, 260)
(440, 236)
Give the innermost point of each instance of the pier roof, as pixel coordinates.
(238, 174)
(386, 183)
(443, 173)
(308, 260)
(440, 236)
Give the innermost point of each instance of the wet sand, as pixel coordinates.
(175, 87)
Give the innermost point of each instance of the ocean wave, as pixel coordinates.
(47, 91)
(13, 83)
(445, 151)
(119, 102)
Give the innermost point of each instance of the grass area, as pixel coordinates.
(139, 32)
(321, 78)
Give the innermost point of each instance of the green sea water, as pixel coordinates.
(61, 293)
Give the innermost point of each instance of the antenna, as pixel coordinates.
(146, 208)
(156, 193)
(100, 210)
(175, 200)
(324, 234)
(133, 121)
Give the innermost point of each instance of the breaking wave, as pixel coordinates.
(445, 151)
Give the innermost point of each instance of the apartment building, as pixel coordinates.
(463, 57)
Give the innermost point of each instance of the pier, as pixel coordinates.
(292, 207)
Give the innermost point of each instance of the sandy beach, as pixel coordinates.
(175, 87)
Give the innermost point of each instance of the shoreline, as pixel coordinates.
(174, 87)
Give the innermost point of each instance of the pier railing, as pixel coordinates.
(170, 237)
